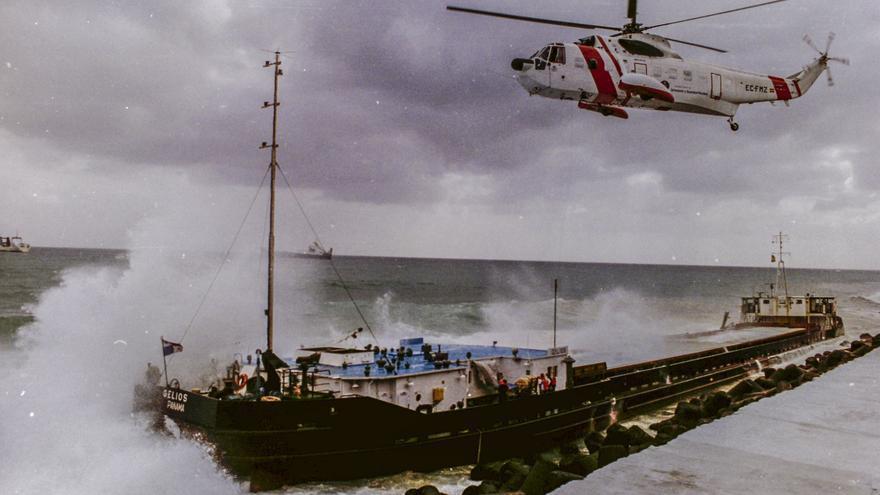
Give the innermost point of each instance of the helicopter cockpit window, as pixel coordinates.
(640, 48)
(545, 53)
(557, 54)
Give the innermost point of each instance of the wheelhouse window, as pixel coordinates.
(637, 47)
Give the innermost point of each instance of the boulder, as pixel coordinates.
(412, 491)
(782, 386)
(617, 434)
(513, 473)
(809, 375)
(866, 337)
(579, 464)
(672, 430)
(537, 477)
(744, 388)
(429, 490)
(748, 400)
(611, 453)
(471, 490)
(558, 478)
(716, 401)
(768, 372)
(638, 436)
(486, 471)
(660, 424)
(640, 447)
(572, 447)
(688, 414)
(662, 439)
(487, 487)
(593, 441)
(791, 374)
(834, 359)
(876, 340)
(861, 350)
(765, 383)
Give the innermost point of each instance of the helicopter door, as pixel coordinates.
(715, 87)
(557, 61)
(542, 74)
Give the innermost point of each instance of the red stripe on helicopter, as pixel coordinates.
(607, 91)
(797, 86)
(613, 59)
(781, 87)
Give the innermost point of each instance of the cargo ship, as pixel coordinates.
(349, 411)
(778, 308)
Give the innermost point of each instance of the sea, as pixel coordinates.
(78, 327)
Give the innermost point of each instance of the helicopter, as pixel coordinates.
(635, 69)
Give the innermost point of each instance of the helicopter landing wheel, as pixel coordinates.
(733, 125)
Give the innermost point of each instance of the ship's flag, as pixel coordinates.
(169, 347)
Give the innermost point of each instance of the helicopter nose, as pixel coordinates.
(519, 64)
(528, 83)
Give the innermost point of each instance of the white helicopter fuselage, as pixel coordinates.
(640, 70)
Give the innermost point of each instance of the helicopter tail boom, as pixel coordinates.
(804, 79)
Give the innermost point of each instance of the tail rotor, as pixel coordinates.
(823, 55)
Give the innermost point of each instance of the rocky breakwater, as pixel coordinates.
(581, 456)
(701, 410)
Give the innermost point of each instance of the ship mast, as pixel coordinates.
(780, 267)
(273, 165)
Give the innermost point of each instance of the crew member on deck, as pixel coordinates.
(502, 388)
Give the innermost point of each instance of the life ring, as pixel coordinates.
(241, 381)
(270, 398)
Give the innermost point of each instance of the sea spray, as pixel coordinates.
(67, 422)
(66, 402)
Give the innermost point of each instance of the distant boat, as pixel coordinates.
(777, 308)
(316, 251)
(13, 245)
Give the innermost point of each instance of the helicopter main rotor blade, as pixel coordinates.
(632, 10)
(530, 19)
(712, 15)
(719, 50)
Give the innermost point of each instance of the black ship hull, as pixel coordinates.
(355, 437)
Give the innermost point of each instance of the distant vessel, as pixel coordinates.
(316, 250)
(13, 244)
(780, 309)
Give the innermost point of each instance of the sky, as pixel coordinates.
(404, 133)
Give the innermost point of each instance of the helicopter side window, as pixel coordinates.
(557, 54)
(637, 47)
(589, 41)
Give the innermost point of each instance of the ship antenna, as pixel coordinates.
(778, 239)
(273, 166)
(555, 294)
